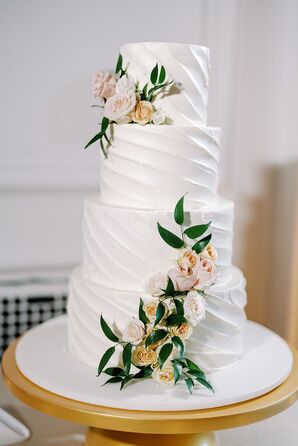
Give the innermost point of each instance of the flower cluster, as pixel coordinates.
(154, 344)
(124, 102)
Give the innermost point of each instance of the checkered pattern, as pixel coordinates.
(18, 314)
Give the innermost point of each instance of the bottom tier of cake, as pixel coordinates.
(216, 342)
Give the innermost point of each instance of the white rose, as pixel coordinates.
(165, 375)
(118, 107)
(155, 284)
(194, 307)
(209, 253)
(124, 85)
(158, 117)
(134, 332)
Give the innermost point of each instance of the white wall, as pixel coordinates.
(49, 51)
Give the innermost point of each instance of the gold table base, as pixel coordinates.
(120, 427)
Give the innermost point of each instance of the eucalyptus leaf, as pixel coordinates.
(94, 139)
(142, 315)
(160, 312)
(107, 331)
(154, 75)
(190, 384)
(196, 231)
(175, 319)
(105, 359)
(179, 211)
(104, 124)
(155, 336)
(164, 353)
(201, 244)
(114, 371)
(162, 75)
(170, 238)
(115, 379)
(126, 357)
(179, 306)
(144, 372)
(179, 345)
(170, 290)
(119, 63)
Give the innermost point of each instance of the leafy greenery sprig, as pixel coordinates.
(162, 334)
(157, 78)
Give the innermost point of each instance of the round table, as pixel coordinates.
(120, 427)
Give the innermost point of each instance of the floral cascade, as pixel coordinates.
(154, 345)
(124, 102)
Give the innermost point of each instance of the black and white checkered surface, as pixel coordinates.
(24, 306)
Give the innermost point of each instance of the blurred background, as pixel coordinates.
(49, 52)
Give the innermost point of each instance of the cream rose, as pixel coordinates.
(150, 310)
(104, 85)
(183, 331)
(143, 356)
(188, 260)
(134, 332)
(158, 117)
(165, 375)
(143, 112)
(155, 284)
(119, 107)
(194, 307)
(206, 274)
(124, 85)
(183, 281)
(209, 253)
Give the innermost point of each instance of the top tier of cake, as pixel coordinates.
(187, 65)
(151, 166)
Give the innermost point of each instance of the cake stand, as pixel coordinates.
(116, 426)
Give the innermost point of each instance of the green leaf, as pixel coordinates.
(144, 372)
(160, 312)
(170, 290)
(94, 139)
(126, 357)
(125, 381)
(157, 87)
(192, 365)
(107, 331)
(114, 371)
(179, 211)
(196, 231)
(144, 91)
(155, 336)
(107, 139)
(119, 63)
(115, 379)
(103, 149)
(201, 244)
(175, 319)
(142, 315)
(197, 373)
(164, 353)
(154, 75)
(177, 370)
(105, 359)
(179, 306)
(170, 238)
(104, 124)
(162, 75)
(190, 384)
(179, 345)
(205, 383)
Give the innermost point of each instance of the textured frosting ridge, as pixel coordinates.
(122, 247)
(186, 64)
(217, 340)
(150, 166)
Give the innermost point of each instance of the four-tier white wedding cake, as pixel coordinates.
(149, 167)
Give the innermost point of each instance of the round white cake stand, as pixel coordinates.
(112, 426)
(42, 356)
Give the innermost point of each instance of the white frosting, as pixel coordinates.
(153, 166)
(216, 342)
(122, 246)
(184, 63)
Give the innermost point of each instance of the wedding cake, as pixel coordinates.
(158, 149)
